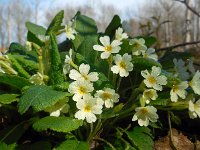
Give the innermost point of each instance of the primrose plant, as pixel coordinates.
(94, 90)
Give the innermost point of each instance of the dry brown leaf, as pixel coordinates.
(180, 142)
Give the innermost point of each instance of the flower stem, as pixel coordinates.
(105, 141)
(118, 83)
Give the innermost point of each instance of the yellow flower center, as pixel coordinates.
(106, 96)
(87, 108)
(81, 90)
(122, 65)
(148, 94)
(151, 80)
(175, 88)
(136, 45)
(144, 111)
(85, 77)
(190, 83)
(145, 55)
(108, 48)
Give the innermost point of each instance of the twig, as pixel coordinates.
(189, 7)
(178, 45)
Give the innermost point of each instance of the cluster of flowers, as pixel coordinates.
(90, 102)
(82, 87)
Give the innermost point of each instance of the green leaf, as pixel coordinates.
(17, 48)
(59, 124)
(14, 81)
(141, 138)
(77, 41)
(35, 146)
(27, 63)
(167, 59)
(114, 24)
(144, 63)
(55, 25)
(176, 119)
(85, 25)
(86, 48)
(39, 97)
(126, 47)
(35, 29)
(33, 38)
(4, 146)
(149, 40)
(162, 100)
(20, 70)
(8, 98)
(61, 87)
(56, 70)
(73, 145)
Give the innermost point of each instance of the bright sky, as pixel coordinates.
(122, 5)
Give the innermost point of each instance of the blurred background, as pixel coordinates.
(170, 21)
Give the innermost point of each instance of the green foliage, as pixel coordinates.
(56, 70)
(149, 40)
(167, 59)
(144, 63)
(85, 25)
(35, 29)
(14, 81)
(34, 38)
(4, 146)
(55, 24)
(39, 97)
(126, 47)
(8, 98)
(114, 24)
(21, 71)
(111, 128)
(30, 65)
(59, 124)
(141, 138)
(73, 145)
(86, 48)
(17, 48)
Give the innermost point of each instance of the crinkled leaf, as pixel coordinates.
(20, 70)
(141, 137)
(27, 63)
(85, 25)
(35, 29)
(73, 145)
(14, 81)
(56, 70)
(8, 98)
(17, 48)
(55, 25)
(59, 124)
(40, 97)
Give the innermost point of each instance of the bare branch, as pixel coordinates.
(189, 7)
(178, 45)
